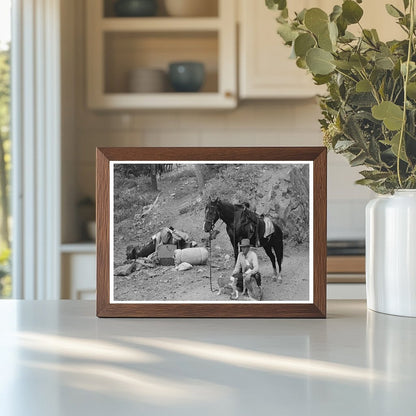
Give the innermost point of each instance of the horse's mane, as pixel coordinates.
(242, 207)
(223, 202)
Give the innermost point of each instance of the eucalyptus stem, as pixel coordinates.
(406, 80)
(373, 88)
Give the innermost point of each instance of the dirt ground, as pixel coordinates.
(163, 283)
(167, 284)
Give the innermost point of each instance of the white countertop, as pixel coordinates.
(86, 247)
(57, 358)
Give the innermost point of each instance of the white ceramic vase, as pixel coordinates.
(391, 253)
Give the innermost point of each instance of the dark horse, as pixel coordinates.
(243, 223)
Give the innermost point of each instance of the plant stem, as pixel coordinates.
(373, 88)
(346, 75)
(406, 79)
(392, 91)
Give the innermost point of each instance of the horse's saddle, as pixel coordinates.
(268, 227)
(251, 220)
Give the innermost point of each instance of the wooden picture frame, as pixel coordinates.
(315, 157)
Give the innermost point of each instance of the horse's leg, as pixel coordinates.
(235, 251)
(277, 243)
(268, 249)
(233, 242)
(278, 248)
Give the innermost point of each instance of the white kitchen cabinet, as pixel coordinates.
(376, 17)
(265, 70)
(78, 263)
(118, 45)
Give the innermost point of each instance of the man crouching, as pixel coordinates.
(246, 276)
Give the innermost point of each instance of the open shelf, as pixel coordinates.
(87, 247)
(160, 24)
(126, 51)
(119, 45)
(168, 100)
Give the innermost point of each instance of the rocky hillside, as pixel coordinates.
(279, 191)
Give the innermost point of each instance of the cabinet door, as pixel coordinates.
(266, 71)
(265, 68)
(78, 276)
(376, 17)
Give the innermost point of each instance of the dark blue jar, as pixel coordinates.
(135, 8)
(186, 76)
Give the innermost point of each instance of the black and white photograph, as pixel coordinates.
(211, 232)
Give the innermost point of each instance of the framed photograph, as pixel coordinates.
(211, 232)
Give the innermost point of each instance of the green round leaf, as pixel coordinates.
(303, 43)
(322, 79)
(301, 15)
(411, 90)
(333, 32)
(287, 33)
(276, 4)
(358, 61)
(344, 65)
(393, 11)
(351, 11)
(336, 12)
(316, 20)
(391, 114)
(363, 86)
(324, 41)
(342, 25)
(319, 61)
(328, 38)
(281, 4)
(301, 63)
(412, 67)
(384, 62)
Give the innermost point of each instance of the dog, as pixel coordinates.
(225, 285)
(238, 285)
(247, 284)
(255, 292)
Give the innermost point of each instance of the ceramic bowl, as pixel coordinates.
(135, 8)
(147, 80)
(186, 76)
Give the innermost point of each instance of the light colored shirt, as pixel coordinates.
(246, 264)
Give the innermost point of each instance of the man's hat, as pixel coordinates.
(245, 242)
